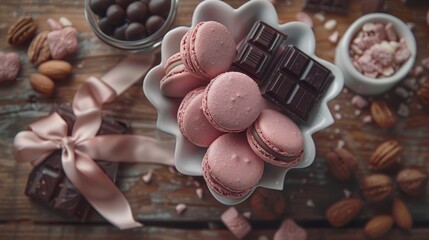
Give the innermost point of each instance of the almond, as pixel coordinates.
(42, 84)
(378, 226)
(385, 155)
(55, 69)
(341, 164)
(412, 181)
(376, 187)
(402, 215)
(342, 212)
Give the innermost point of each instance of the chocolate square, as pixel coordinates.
(48, 184)
(296, 83)
(258, 50)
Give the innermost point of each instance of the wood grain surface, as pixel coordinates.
(306, 194)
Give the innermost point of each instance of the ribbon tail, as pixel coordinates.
(98, 189)
(129, 148)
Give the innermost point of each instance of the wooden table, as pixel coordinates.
(306, 194)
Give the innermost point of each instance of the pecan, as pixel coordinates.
(342, 212)
(341, 164)
(412, 181)
(376, 187)
(385, 155)
(21, 31)
(423, 94)
(38, 51)
(383, 116)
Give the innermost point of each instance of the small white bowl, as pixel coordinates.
(360, 83)
(187, 156)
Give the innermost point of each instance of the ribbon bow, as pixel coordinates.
(79, 149)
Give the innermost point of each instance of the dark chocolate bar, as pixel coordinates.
(258, 50)
(335, 6)
(286, 76)
(296, 83)
(48, 184)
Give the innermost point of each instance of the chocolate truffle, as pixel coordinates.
(119, 32)
(135, 31)
(116, 15)
(124, 3)
(153, 23)
(159, 7)
(105, 26)
(99, 7)
(137, 12)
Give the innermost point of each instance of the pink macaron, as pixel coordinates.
(232, 102)
(192, 123)
(178, 81)
(230, 167)
(276, 139)
(208, 49)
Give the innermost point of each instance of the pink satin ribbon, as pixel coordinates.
(79, 149)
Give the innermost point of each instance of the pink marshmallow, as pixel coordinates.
(390, 32)
(289, 230)
(236, 223)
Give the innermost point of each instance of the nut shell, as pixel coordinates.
(376, 187)
(21, 31)
(402, 215)
(342, 212)
(341, 164)
(55, 69)
(38, 51)
(378, 226)
(42, 84)
(412, 181)
(385, 155)
(382, 115)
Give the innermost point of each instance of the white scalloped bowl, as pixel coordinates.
(187, 156)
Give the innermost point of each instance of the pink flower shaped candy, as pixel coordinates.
(62, 42)
(9, 66)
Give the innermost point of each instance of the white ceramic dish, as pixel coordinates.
(360, 83)
(239, 21)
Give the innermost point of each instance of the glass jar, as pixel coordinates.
(146, 44)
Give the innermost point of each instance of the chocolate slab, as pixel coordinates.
(258, 50)
(287, 77)
(48, 184)
(334, 6)
(296, 83)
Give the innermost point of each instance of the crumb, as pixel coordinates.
(337, 107)
(338, 116)
(147, 177)
(319, 16)
(180, 208)
(347, 193)
(310, 203)
(359, 101)
(65, 22)
(367, 119)
(196, 183)
(357, 112)
(333, 38)
(199, 192)
(337, 131)
(247, 214)
(340, 144)
(330, 24)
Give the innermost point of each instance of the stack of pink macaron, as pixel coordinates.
(224, 111)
